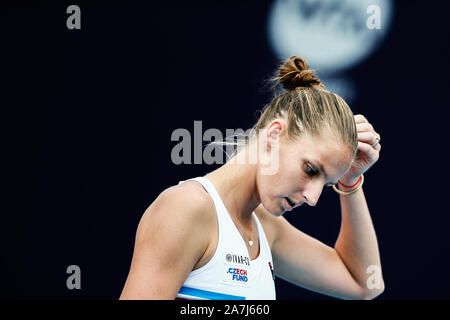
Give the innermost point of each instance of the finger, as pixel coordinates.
(378, 147)
(372, 152)
(369, 137)
(364, 126)
(359, 118)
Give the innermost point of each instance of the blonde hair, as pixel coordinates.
(306, 106)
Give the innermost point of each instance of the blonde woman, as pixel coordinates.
(223, 236)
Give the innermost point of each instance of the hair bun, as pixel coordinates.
(295, 73)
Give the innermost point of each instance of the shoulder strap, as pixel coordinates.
(218, 203)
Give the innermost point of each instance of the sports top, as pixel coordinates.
(230, 274)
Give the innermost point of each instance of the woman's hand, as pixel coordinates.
(368, 150)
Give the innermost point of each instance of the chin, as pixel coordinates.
(278, 213)
(274, 209)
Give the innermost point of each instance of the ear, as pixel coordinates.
(274, 131)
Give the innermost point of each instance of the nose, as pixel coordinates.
(312, 194)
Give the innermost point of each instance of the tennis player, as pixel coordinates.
(223, 235)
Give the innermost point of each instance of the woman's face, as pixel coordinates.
(306, 165)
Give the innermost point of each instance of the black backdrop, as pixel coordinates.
(87, 117)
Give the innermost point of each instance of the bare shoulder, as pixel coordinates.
(186, 204)
(172, 236)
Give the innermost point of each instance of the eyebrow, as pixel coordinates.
(319, 165)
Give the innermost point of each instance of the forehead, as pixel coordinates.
(324, 149)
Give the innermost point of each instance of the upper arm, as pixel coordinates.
(170, 239)
(309, 263)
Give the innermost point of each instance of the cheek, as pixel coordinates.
(287, 180)
(269, 194)
(292, 179)
(265, 187)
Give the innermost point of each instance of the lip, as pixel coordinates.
(288, 206)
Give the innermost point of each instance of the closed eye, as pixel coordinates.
(310, 171)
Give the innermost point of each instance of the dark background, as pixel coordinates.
(87, 116)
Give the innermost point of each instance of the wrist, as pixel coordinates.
(346, 190)
(348, 183)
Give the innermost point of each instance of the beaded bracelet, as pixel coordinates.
(346, 193)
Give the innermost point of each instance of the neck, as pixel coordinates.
(235, 182)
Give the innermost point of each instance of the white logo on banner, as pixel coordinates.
(332, 35)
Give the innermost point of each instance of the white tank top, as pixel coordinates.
(230, 274)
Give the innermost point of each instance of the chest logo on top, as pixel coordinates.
(238, 275)
(238, 259)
